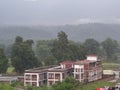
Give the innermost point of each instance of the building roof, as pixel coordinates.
(58, 69)
(39, 69)
(7, 78)
(84, 62)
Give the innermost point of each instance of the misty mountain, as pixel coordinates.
(75, 32)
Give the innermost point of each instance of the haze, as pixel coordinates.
(58, 12)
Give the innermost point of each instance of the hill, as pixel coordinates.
(75, 32)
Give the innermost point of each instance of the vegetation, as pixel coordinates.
(22, 56)
(3, 62)
(54, 51)
(111, 66)
(6, 87)
(68, 84)
(49, 52)
(110, 46)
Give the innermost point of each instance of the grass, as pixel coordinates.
(10, 69)
(96, 84)
(111, 66)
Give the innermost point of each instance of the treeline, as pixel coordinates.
(55, 51)
(22, 55)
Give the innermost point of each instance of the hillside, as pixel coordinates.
(74, 32)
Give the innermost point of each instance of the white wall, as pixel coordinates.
(92, 58)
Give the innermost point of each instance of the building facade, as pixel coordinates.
(88, 70)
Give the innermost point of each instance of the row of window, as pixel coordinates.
(78, 69)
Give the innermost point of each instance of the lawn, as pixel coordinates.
(10, 69)
(96, 84)
(111, 66)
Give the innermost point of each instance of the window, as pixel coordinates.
(81, 69)
(77, 76)
(27, 77)
(51, 76)
(34, 77)
(34, 84)
(81, 76)
(57, 76)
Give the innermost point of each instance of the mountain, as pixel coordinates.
(80, 32)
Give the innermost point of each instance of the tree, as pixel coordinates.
(91, 46)
(110, 46)
(61, 50)
(3, 62)
(65, 85)
(22, 56)
(43, 52)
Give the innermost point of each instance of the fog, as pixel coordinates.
(58, 12)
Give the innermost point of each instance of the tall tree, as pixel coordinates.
(110, 46)
(60, 48)
(91, 46)
(3, 62)
(23, 56)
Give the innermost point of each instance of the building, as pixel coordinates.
(88, 70)
(8, 79)
(36, 76)
(83, 70)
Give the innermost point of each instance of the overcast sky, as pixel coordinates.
(57, 12)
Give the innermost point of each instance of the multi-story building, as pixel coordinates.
(88, 70)
(84, 71)
(36, 76)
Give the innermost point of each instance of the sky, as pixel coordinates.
(58, 12)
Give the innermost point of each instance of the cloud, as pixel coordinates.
(97, 20)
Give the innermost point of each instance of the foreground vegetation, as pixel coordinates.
(68, 84)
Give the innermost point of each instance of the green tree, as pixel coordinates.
(3, 62)
(23, 56)
(63, 86)
(43, 52)
(110, 46)
(61, 49)
(91, 46)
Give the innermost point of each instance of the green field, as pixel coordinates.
(10, 69)
(111, 66)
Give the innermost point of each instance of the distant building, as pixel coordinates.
(8, 79)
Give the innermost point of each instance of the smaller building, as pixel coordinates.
(8, 79)
(117, 74)
(88, 70)
(36, 76)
